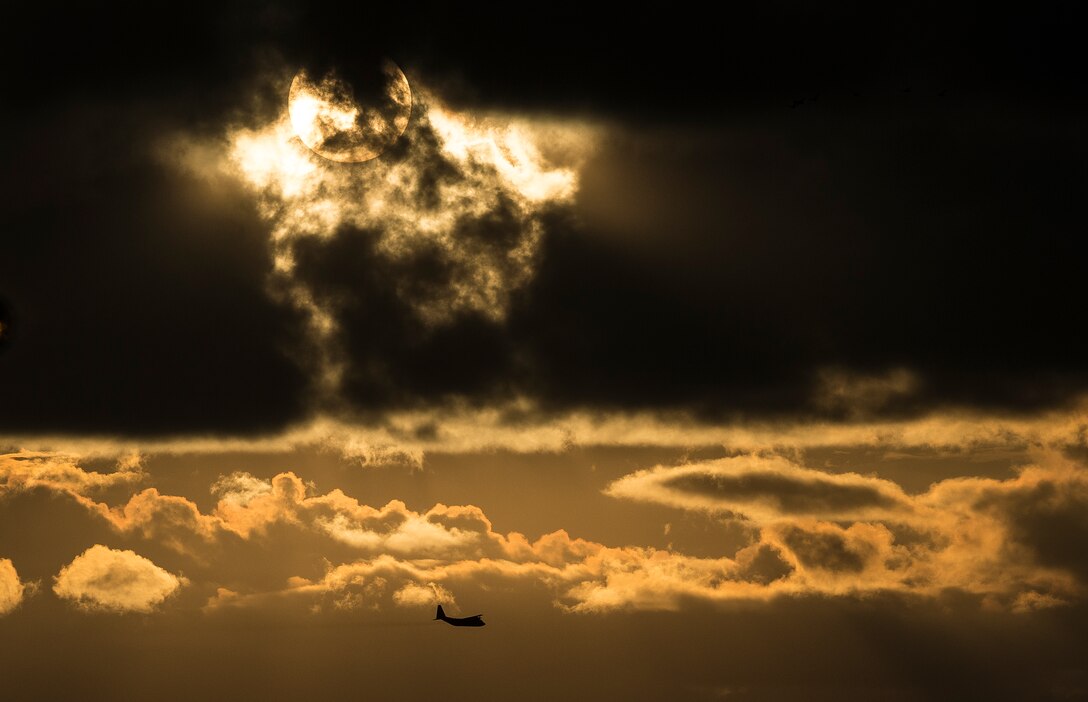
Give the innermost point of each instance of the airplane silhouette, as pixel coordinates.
(460, 621)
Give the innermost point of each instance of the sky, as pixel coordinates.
(729, 356)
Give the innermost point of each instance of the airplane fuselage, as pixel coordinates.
(465, 621)
(475, 620)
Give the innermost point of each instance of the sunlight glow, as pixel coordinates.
(470, 190)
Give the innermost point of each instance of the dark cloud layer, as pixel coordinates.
(140, 291)
(395, 358)
(549, 58)
(916, 209)
(7, 325)
(664, 66)
(927, 238)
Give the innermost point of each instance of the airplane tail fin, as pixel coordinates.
(440, 614)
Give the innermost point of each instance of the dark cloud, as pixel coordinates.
(7, 326)
(787, 493)
(140, 290)
(1050, 519)
(824, 549)
(763, 564)
(913, 212)
(395, 358)
(869, 240)
(601, 327)
(673, 66)
(725, 271)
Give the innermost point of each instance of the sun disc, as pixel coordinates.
(328, 120)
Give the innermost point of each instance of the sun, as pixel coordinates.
(327, 118)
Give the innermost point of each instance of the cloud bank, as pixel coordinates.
(1015, 544)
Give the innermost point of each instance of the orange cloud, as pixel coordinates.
(11, 588)
(1015, 542)
(1018, 542)
(423, 595)
(462, 429)
(765, 489)
(110, 580)
(26, 470)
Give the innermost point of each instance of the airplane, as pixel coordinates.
(460, 621)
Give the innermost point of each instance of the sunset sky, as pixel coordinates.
(736, 356)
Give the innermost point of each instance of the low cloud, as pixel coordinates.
(524, 426)
(1015, 543)
(11, 588)
(765, 489)
(1042, 513)
(26, 470)
(423, 595)
(109, 580)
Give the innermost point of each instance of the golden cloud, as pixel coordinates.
(1015, 542)
(11, 588)
(765, 488)
(26, 470)
(521, 426)
(423, 595)
(109, 580)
